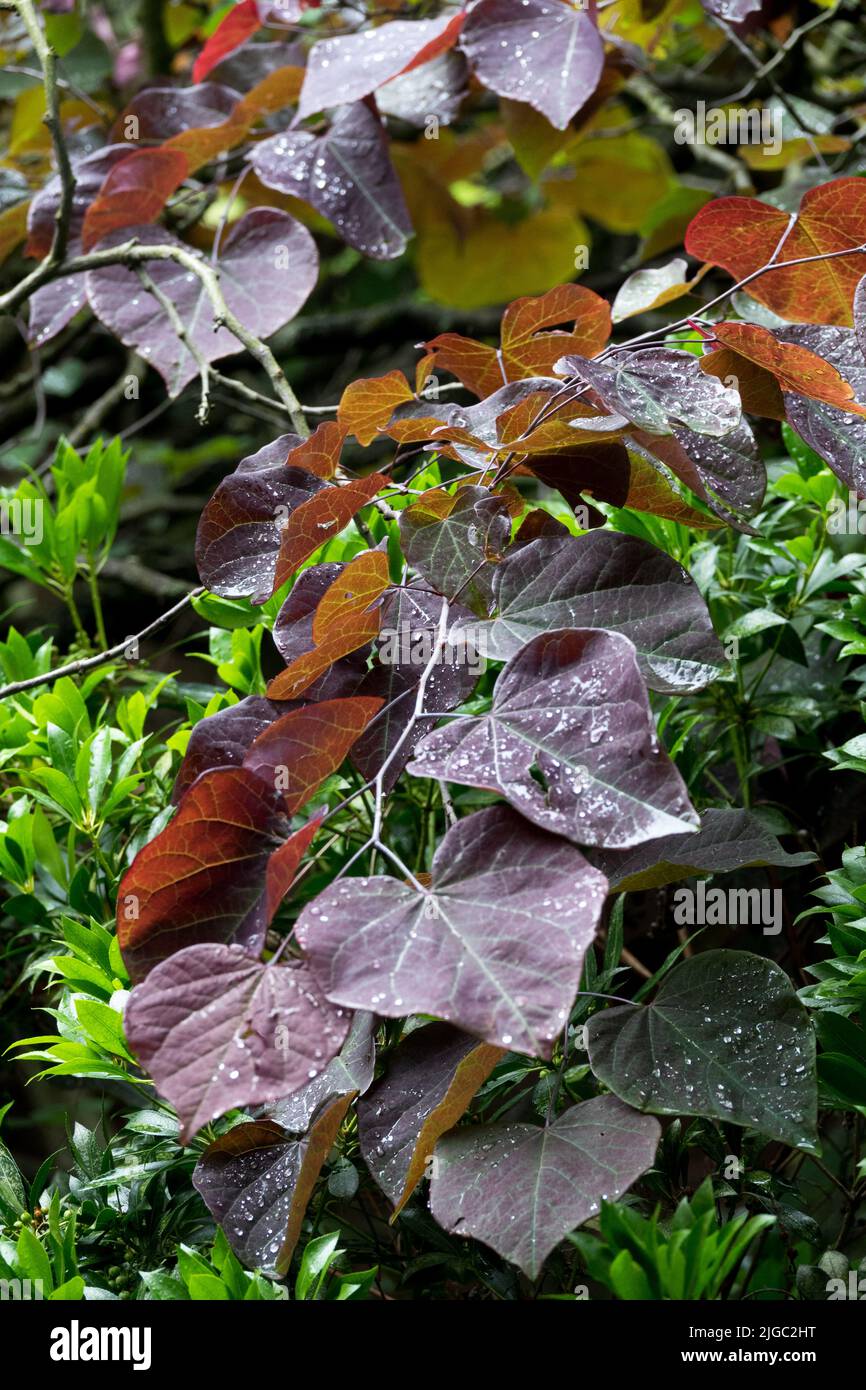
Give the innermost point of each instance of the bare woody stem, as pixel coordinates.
(48, 62)
(88, 663)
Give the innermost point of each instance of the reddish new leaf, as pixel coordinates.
(301, 749)
(216, 1029)
(90, 174)
(795, 368)
(240, 23)
(204, 877)
(203, 143)
(54, 305)
(222, 739)
(525, 350)
(758, 389)
(283, 865)
(293, 634)
(321, 452)
(134, 193)
(321, 518)
(347, 617)
(367, 405)
(743, 234)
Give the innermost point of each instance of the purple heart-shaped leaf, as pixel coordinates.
(495, 947)
(346, 174)
(268, 267)
(217, 1029)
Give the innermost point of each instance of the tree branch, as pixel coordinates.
(48, 62)
(132, 254)
(87, 663)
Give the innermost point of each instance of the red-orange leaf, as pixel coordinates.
(298, 751)
(204, 143)
(795, 368)
(759, 390)
(284, 862)
(524, 319)
(134, 193)
(742, 234)
(367, 405)
(475, 364)
(320, 454)
(207, 876)
(525, 350)
(239, 24)
(320, 519)
(348, 617)
(440, 44)
(277, 89)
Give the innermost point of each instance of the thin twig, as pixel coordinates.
(789, 43)
(48, 62)
(132, 254)
(88, 663)
(169, 308)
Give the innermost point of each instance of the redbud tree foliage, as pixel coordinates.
(371, 897)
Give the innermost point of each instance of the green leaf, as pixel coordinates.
(163, 1287)
(758, 620)
(317, 1257)
(843, 1075)
(60, 789)
(208, 1287)
(71, 1292)
(628, 1280)
(12, 1197)
(725, 1037)
(32, 1259)
(98, 768)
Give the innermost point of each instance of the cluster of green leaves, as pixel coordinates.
(839, 996)
(691, 1256)
(69, 534)
(773, 597)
